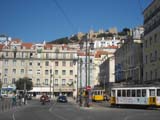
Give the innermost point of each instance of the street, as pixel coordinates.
(71, 111)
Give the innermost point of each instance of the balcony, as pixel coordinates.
(152, 27)
(152, 15)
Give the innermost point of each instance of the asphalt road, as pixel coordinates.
(71, 111)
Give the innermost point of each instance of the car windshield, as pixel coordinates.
(62, 97)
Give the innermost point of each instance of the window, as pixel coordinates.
(5, 81)
(64, 55)
(30, 63)
(123, 93)
(6, 53)
(38, 64)
(119, 93)
(63, 82)
(38, 81)
(113, 93)
(56, 82)
(14, 54)
(151, 92)
(14, 62)
(46, 72)
(56, 72)
(128, 93)
(150, 41)
(133, 93)
(5, 71)
(63, 72)
(155, 38)
(158, 92)
(22, 62)
(31, 55)
(71, 72)
(143, 93)
(151, 73)
(47, 55)
(155, 74)
(46, 81)
(6, 62)
(38, 71)
(47, 63)
(14, 71)
(64, 63)
(155, 56)
(56, 63)
(138, 93)
(22, 71)
(71, 63)
(150, 57)
(13, 80)
(30, 71)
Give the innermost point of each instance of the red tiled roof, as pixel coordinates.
(27, 45)
(48, 46)
(16, 40)
(99, 53)
(1, 46)
(112, 47)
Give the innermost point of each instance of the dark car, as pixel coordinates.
(62, 99)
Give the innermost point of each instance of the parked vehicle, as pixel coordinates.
(62, 99)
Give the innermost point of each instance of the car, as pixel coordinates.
(62, 99)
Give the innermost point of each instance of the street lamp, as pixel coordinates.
(50, 81)
(87, 64)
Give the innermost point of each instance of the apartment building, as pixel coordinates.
(47, 65)
(128, 59)
(151, 49)
(106, 74)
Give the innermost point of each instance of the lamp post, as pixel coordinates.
(50, 81)
(87, 75)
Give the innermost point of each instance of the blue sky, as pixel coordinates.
(38, 20)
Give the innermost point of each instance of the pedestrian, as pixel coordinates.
(14, 102)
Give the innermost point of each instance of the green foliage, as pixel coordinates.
(74, 38)
(20, 84)
(105, 35)
(64, 40)
(124, 32)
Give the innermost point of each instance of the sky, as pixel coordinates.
(39, 20)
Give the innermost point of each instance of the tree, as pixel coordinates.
(21, 83)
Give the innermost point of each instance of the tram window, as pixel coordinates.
(128, 93)
(152, 92)
(158, 92)
(143, 93)
(113, 93)
(133, 93)
(124, 93)
(138, 93)
(119, 93)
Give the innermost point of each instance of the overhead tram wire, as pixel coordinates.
(65, 16)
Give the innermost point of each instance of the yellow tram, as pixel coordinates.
(144, 96)
(98, 95)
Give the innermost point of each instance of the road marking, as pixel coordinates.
(50, 109)
(13, 117)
